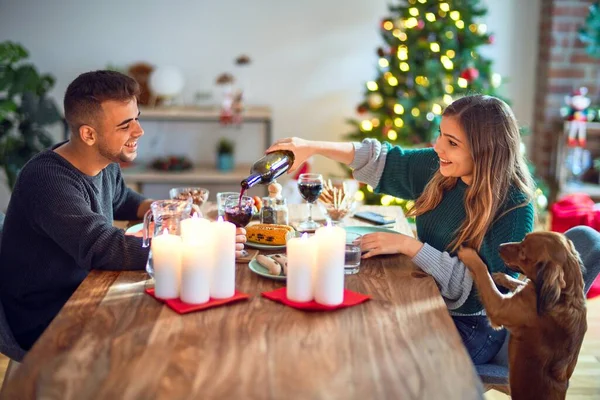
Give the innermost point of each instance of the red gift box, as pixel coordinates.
(182, 308)
(572, 210)
(350, 299)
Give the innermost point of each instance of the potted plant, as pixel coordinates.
(25, 110)
(225, 150)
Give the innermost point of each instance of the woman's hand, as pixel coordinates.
(378, 243)
(302, 149)
(240, 239)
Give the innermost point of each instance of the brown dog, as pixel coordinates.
(546, 315)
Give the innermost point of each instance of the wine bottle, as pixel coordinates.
(268, 168)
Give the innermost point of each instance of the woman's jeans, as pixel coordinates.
(481, 340)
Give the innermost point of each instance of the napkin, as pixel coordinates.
(350, 299)
(183, 308)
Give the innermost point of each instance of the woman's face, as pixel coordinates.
(453, 150)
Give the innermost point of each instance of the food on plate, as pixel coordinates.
(271, 265)
(272, 234)
(282, 260)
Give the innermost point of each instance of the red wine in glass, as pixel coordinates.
(238, 211)
(310, 187)
(310, 191)
(239, 216)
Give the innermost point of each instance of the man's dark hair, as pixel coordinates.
(85, 94)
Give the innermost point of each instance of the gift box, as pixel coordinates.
(572, 210)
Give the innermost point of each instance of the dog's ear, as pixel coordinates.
(549, 282)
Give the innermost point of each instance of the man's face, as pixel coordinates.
(119, 130)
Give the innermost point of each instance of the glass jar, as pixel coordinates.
(274, 211)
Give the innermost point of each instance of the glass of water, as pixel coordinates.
(352, 259)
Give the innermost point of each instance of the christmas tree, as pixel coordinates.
(429, 57)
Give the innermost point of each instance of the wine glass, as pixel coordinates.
(310, 187)
(238, 211)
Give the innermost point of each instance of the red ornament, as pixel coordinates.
(380, 52)
(421, 24)
(361, 109)
(470, 74)
(491, 39)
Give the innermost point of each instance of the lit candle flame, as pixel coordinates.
(304, 236)
(195, 216)
(166, 231)
(220, 219)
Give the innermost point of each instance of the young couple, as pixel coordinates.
(472, 189)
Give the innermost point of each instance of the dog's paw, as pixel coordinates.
(470, 258)
(500, 279)
(496, 327)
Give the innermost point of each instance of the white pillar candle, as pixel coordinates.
(194, 227)
(329, 265)
(166, 259)
(222, 284)
(196, 269)
(300, 259)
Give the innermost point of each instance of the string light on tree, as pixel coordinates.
(496, 80)
(366, 126)
(372, 86)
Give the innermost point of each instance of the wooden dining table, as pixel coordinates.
(113, 341)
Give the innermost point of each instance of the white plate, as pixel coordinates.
(262, 246)
(134, 228)
(262, 271)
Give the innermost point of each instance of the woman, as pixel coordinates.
(473, 189)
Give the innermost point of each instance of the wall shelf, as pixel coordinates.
(207, 113)
(204, 174)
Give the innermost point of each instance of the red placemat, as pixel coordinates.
(350, 299)
(183, 308)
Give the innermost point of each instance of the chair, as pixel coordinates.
(586, 240)
(8, 345)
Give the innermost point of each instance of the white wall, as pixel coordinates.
(310, 58)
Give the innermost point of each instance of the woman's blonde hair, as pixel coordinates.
(498, 167)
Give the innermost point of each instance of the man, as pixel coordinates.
(59, 220)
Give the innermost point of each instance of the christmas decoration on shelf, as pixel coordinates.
(171, 163)
(232, 106)
(577, 114)
(430, 57)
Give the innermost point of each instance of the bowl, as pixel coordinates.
(199, 195)
(337, 213)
